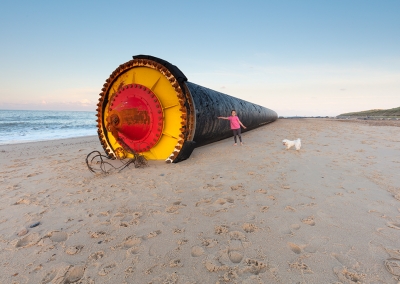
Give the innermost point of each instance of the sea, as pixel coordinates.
(20, 126)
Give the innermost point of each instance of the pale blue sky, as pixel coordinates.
(295, 57)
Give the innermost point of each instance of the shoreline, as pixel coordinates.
(44, 140)
(256, 213)
(51, 141)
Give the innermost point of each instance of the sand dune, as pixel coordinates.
(329, 213)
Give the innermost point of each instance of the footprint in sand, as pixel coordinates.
(211, 264)
(178, 230)
(394, 253)
(393, 225)
(197, 251)
(22, 232)
(315, 244)
(33, 174)
(203, 201)
(237, 244)
(96, 255)
(132, 250)
(153, 234)
(235, 251)
(131, 242)
(220, 201)
(211, 187)
(263, 191)
(237, 235)
(249, 227)
(285, 231)
(222, 229)
(28, 241)
(223, 204)
(290, 208)
(348, 276)
(127, 219)
(209, 243)
(295, 248)
(302, 267)
(309, 221)
(57, 236)
(49, 276)
(106, 268)
(175, 263)
(74, 249)
(237, 187)
(130, 270)
(172, 209)
(23, 201)
(271, 197)
(103, 214)
(392, 265)
(295, 226)
(97, 234)
(74, 274)
(254, 266)
(346, 261)
(64, 274)
(235, 256)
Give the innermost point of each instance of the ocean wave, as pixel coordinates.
(44, 125)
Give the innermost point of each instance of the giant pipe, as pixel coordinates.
(148, 106)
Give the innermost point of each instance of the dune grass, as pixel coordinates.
(375, 112)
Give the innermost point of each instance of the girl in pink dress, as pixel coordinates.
(235, 126)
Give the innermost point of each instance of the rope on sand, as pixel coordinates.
(96, 162)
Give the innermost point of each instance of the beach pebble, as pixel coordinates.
(23, 232)
(34, 225)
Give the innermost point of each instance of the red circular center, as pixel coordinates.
(137, 116)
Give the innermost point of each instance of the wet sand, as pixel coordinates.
(258, 213)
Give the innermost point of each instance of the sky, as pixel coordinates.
(305, 58)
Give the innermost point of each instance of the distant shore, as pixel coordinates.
(377, 121)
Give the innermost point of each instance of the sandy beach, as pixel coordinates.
(258, 213)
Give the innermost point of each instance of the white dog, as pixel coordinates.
(289, 144)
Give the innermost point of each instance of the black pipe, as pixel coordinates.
(210, 104)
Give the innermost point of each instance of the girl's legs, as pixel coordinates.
(237, 132)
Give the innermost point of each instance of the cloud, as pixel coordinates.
(85, 102)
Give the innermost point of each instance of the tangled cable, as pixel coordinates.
(102, 165)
